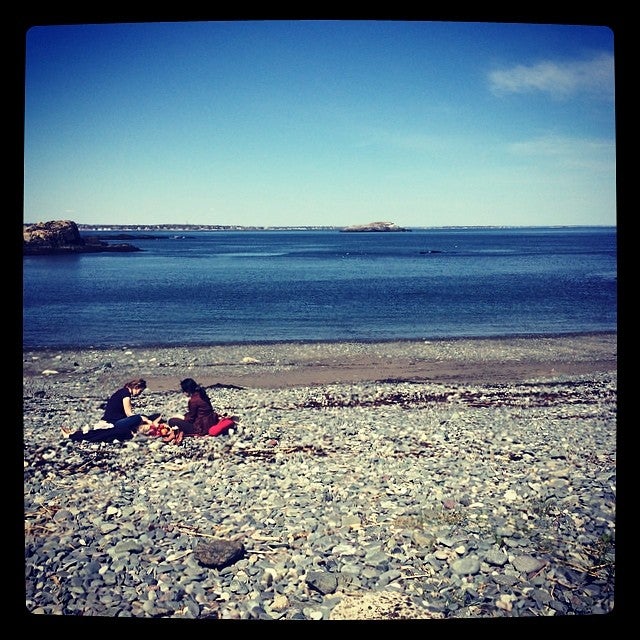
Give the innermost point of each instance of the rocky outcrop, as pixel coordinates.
(63, 237)
(375, 226)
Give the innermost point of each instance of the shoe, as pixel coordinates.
(66, 432)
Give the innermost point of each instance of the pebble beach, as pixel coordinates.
(418, 480)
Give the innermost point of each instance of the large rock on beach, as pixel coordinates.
(219, 553)
(385, 605)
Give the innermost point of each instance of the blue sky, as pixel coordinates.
(276, 123)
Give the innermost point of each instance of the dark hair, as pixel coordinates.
(190, 386)
(138, 383)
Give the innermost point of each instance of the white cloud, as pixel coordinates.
(558, 79)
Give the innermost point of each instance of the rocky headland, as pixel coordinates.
(63, 237)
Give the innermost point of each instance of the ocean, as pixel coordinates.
(260, 286)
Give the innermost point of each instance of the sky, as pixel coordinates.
(320, 123)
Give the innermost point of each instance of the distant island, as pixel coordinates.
(374, 227)
(62, 237)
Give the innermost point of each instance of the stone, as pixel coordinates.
(381, 605)
(219, 553)
(322, 581)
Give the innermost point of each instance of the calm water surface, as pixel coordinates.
(225, 287)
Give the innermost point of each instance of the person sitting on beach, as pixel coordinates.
(120, 414)
(200, 416)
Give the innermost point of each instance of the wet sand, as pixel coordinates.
(285, 365)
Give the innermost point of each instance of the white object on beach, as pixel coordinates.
(102, 424)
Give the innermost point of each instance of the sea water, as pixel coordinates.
(224, 287)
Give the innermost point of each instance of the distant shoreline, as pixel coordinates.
(230, 227)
